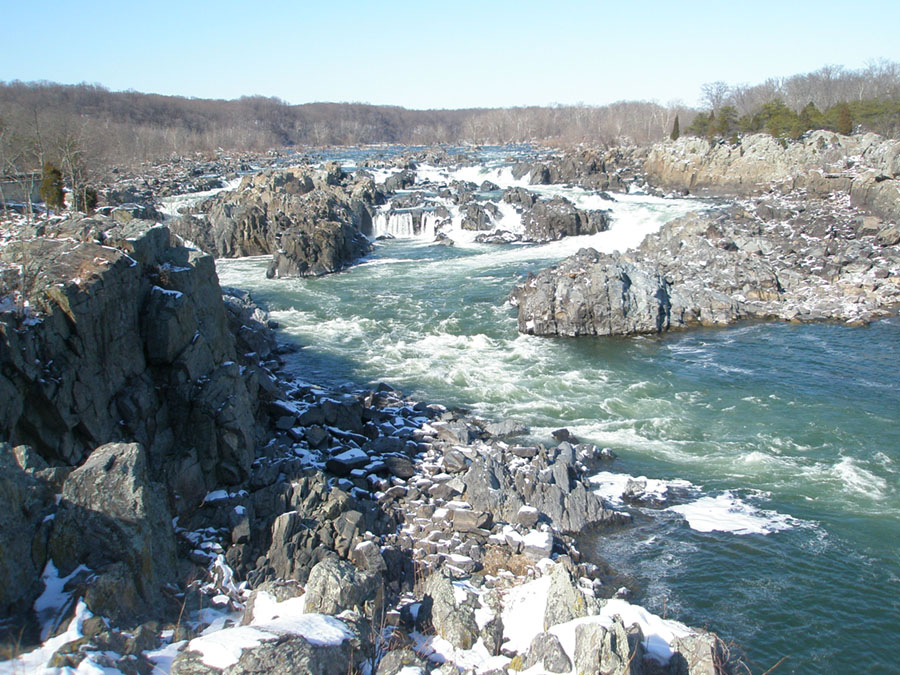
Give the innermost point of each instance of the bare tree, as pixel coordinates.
(714, 94)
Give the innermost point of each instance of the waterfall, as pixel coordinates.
(413, 224)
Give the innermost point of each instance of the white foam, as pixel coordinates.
(858, 480)
(728, 513)
(611, 486)
(172, 206)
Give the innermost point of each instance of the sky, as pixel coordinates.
(452, 54)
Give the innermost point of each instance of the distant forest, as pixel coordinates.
(84, 129)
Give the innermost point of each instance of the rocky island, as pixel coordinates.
(810, 237)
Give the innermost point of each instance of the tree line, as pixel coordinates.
(831, 98)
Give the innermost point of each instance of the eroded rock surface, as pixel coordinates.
(313, 223)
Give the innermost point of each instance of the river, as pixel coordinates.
(776, 445)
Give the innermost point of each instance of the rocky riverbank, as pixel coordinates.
(810, 246)
(165, 483)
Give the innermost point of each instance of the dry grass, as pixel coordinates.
(498, 558)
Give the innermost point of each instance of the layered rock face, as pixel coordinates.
(127, 339)
(822, 163)
(312, 223)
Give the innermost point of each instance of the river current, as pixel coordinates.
(773, 449)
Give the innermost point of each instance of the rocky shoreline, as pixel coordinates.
(134, 399)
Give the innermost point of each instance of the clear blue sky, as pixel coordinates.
(452, 54)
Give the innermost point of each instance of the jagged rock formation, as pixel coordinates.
(552, 219)
(130, 342)
(312, 223)
(716, 268)
(823, 163)
(116, 521)
(609, 169)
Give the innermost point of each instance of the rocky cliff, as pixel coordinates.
(118, 357)
(865, 167)
(312, 223)
(125, 338)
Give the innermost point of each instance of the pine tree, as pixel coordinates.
(52, 187)
(676, 132)
(844, 121)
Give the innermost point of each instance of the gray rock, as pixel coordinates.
(453, 432)
(455, 461)
(616, 651)
(546, 651)
(549, 220)
(402, 660)
(336, 585)
(366, 556)
(152, 359)
(565, 601)
(506, 428)
(112, 513)
(399, 466)
(698, 654)
(528, 516)
(26, 500)
(345, 462)
(284, 655)
(592, 295)
(467, 520)
(455, 622)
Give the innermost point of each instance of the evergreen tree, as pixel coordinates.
(676, 132)
(811, 118)
(711, 125)
(845, 120)
(52, 186)
(698, 125)
(726, 121)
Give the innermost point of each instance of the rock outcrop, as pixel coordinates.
(751, 166)
(820, 164)
(719, 267)
(552, 219)
(312, 223)
(126, 339)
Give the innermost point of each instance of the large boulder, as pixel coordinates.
(552, 219)
(590, 294)
(616, 650)
(336, 585)
(310, 643)
(114, 519)
(565, 601)
(453, 618)
(311, 223)
(547, 651)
